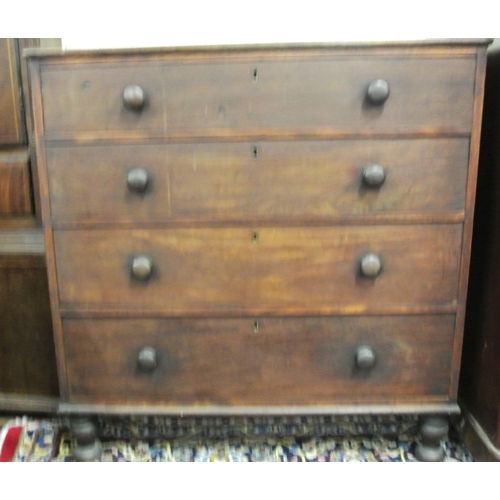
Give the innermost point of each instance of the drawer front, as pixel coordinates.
(264, 180)
(274, 269)
(200, 98)
(285, 361)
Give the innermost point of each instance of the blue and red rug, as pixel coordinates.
(264, 439)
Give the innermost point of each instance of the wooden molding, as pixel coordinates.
(25, 241)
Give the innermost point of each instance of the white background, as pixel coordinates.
(142, 23)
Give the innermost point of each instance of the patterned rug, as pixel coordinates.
(239, 439)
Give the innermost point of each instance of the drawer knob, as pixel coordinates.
(370, 265)
(146, 359)
(378, 92)
(134, 97)
(365, 357)
(137, 180)
(374, 176)
(142, 267)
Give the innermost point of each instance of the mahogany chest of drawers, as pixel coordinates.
(252, 230)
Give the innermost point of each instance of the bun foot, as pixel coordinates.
(432, 431)
(86, 446)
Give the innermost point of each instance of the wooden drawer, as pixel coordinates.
(255, 181)
(286, 361)
(285, 270)
(260, 94)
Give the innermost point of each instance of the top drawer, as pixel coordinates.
(256, 95)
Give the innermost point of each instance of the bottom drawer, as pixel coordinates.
(266, 361)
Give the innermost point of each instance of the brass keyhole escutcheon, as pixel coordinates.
(255, 237)
(255, 326)
(255, 152)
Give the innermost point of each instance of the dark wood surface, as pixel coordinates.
(480, 379)
(287, 180)
(24, 403)
(270, 269)
(27, 356)
(12, 123)
(288, 96)
(288, 361)
(15, 183)
(28, 376)
(254, 212)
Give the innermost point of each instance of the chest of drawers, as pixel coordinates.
(257, 230)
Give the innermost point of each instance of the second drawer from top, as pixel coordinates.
(263, 180)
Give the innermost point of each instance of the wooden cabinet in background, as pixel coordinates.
(12, 121)
(15, 184)
(28, 377)
(27, 356)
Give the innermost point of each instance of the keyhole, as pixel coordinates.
(255, 74)
(255, 326)
(255, 152)
(255, 237)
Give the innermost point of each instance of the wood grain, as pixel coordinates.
(15, 183)
(12, 120)
(280, 269)
(27, 356)
(286, 96)
(43, 202)
(469, 216)
(256, 180)
(255, 222)
(287, 362)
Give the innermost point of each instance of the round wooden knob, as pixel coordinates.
(365, 357)
(137, 180)
(378, 92)
(370, 265)
(142, 267)
(146, 359)
(374, 176)
(134, 97)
